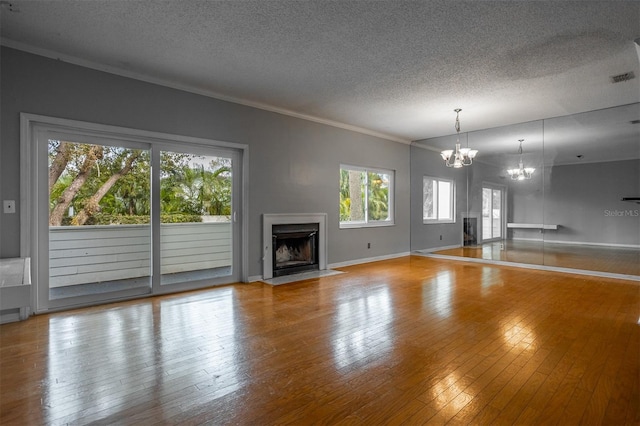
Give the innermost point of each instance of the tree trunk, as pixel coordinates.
(63, 153)
(355, 194)
(93, 203)
(62, 204)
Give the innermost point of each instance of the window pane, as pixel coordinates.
(444, 200)
(429, 192)
(438, 200)
(99, 232)
(496, 210)
(195, 234)
(378, 197)
(352, 195)
(486, 213)
(366, 196)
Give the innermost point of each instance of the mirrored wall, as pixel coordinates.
(561, 192)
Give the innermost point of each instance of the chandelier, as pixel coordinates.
(522, 172)
(461, 156)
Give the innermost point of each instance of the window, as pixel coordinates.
(438, 200)
(366, 197)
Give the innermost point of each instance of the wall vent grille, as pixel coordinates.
(623, 77)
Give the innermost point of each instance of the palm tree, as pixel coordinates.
(216, 189)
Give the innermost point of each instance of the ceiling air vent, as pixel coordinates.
(623, 77)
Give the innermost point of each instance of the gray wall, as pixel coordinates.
(585, 200)
(293, 167)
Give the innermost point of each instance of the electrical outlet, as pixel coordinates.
(440, 237)
(9, 206)
(368, 245)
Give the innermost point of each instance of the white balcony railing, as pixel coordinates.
(88, 254)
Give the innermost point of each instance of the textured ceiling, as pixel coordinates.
(391, 68)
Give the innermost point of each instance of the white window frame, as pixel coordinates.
(452, 199)
(390, 221)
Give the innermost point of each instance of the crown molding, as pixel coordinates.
(187, 88)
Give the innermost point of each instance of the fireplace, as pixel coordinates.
(295, 248)
(293, 243)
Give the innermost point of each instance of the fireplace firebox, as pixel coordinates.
(295, 248)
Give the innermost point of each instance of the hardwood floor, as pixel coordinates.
(406, 341)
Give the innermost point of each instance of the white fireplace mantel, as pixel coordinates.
(268, 220)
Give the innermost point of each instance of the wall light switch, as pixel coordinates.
(9, 206)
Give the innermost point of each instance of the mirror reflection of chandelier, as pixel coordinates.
(522, 172)
(462, 156)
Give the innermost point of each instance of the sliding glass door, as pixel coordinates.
(119, 215)
(492, 213)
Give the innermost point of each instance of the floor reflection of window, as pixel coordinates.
(156, 347)
(518, 335)
(490, 277)
(186, 344)
(449, 392)
(437, 294)
(73, 358)
(363, 328)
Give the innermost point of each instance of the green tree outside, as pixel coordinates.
(95, 184)
(359, 187)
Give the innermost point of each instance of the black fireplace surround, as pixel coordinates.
(295, 248)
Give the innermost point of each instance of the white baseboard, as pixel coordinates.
(431, 250)
(580, 243)
(585, 243)
(367, 260)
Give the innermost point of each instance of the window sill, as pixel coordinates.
(437, 222)
(365, 225)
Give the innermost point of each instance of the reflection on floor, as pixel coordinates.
(120, 285)
(616, 260)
